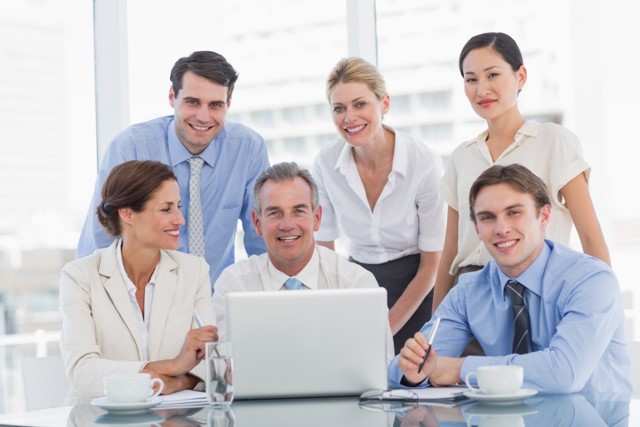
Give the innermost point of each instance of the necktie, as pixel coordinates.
(196, 228)
(515, 290)
(293, 284)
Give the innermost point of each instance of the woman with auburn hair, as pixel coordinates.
(130, 307)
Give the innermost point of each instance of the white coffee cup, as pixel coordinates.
(497, 379)
(131, 388)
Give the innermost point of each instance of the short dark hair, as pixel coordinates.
(130, 185)
(502, 43)
(285, 171)
(210, 65)
(518, 177)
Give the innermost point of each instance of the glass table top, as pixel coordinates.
(541, 410)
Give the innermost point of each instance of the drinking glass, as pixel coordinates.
(219, 373)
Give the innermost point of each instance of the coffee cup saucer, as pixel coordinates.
(125, 408)
(501, 399)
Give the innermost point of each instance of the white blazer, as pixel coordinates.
(99, 330)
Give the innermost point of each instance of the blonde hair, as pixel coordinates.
(355, 69)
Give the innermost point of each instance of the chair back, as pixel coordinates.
(44, 382)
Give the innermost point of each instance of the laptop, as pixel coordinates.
(308, 343)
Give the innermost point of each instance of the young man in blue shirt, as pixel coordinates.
(231, 155)
(575, 338)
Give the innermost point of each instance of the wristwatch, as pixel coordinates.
(200, 386)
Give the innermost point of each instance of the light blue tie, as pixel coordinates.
(293, 284)
(196, 227)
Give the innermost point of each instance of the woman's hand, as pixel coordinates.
(193, 349)
(192, 352)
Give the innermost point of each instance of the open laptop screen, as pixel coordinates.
(308, 343)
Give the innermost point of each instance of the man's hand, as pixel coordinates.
(447, 372)
(411, 357)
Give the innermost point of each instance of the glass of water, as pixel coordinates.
(219, 373)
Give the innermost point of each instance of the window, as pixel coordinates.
(47, 166)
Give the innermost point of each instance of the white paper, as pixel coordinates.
(427, 393)
(184, 399)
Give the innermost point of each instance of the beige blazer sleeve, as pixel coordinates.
(99, 330)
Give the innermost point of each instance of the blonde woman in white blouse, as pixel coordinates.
(379, 187)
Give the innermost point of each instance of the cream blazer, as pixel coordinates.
(99, 330)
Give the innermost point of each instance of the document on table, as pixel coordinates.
(184, 399)
(448, 396)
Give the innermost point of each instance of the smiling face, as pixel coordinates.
(357, 112)
(287, 222)
(510, 226)
(200, 108)
(157, 225)
(490, 83)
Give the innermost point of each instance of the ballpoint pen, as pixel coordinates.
(432, 336)
(200, 325)
(198, 319)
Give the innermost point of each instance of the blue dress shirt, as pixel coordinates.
(576, 318)
(233, 161)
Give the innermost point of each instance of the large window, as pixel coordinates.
(283, 51)
(47, 167)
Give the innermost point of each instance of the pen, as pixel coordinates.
(431, 338)
(198, 319)
(200, 325)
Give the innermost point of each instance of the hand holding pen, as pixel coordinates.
(200, 324)
(432, 336)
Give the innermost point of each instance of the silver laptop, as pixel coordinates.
(308, 343)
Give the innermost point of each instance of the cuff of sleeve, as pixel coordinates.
(397, 380)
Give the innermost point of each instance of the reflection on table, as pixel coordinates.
(281, 412)
(542, 410)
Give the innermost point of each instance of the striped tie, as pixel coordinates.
(293, 284)
(196, 227)
(515, 290)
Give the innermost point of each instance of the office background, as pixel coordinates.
(64, 93)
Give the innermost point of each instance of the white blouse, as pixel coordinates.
(547, 149)
(409, 216)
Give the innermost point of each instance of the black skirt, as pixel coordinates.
(394, 276)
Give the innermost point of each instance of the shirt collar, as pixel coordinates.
(531, 278)
(178, 152)
(400, 156)
(528, 128)
(308, 275)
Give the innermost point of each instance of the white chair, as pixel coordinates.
(44, 382)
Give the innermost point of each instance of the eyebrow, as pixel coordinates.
(277, 208)
(193, 98)
(516, 205)
(353, 100)
(486, 69)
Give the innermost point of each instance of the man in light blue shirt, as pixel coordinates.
(233, 154)
(575, 337)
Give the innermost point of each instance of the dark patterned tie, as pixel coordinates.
(293, 284)
(515, 290)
